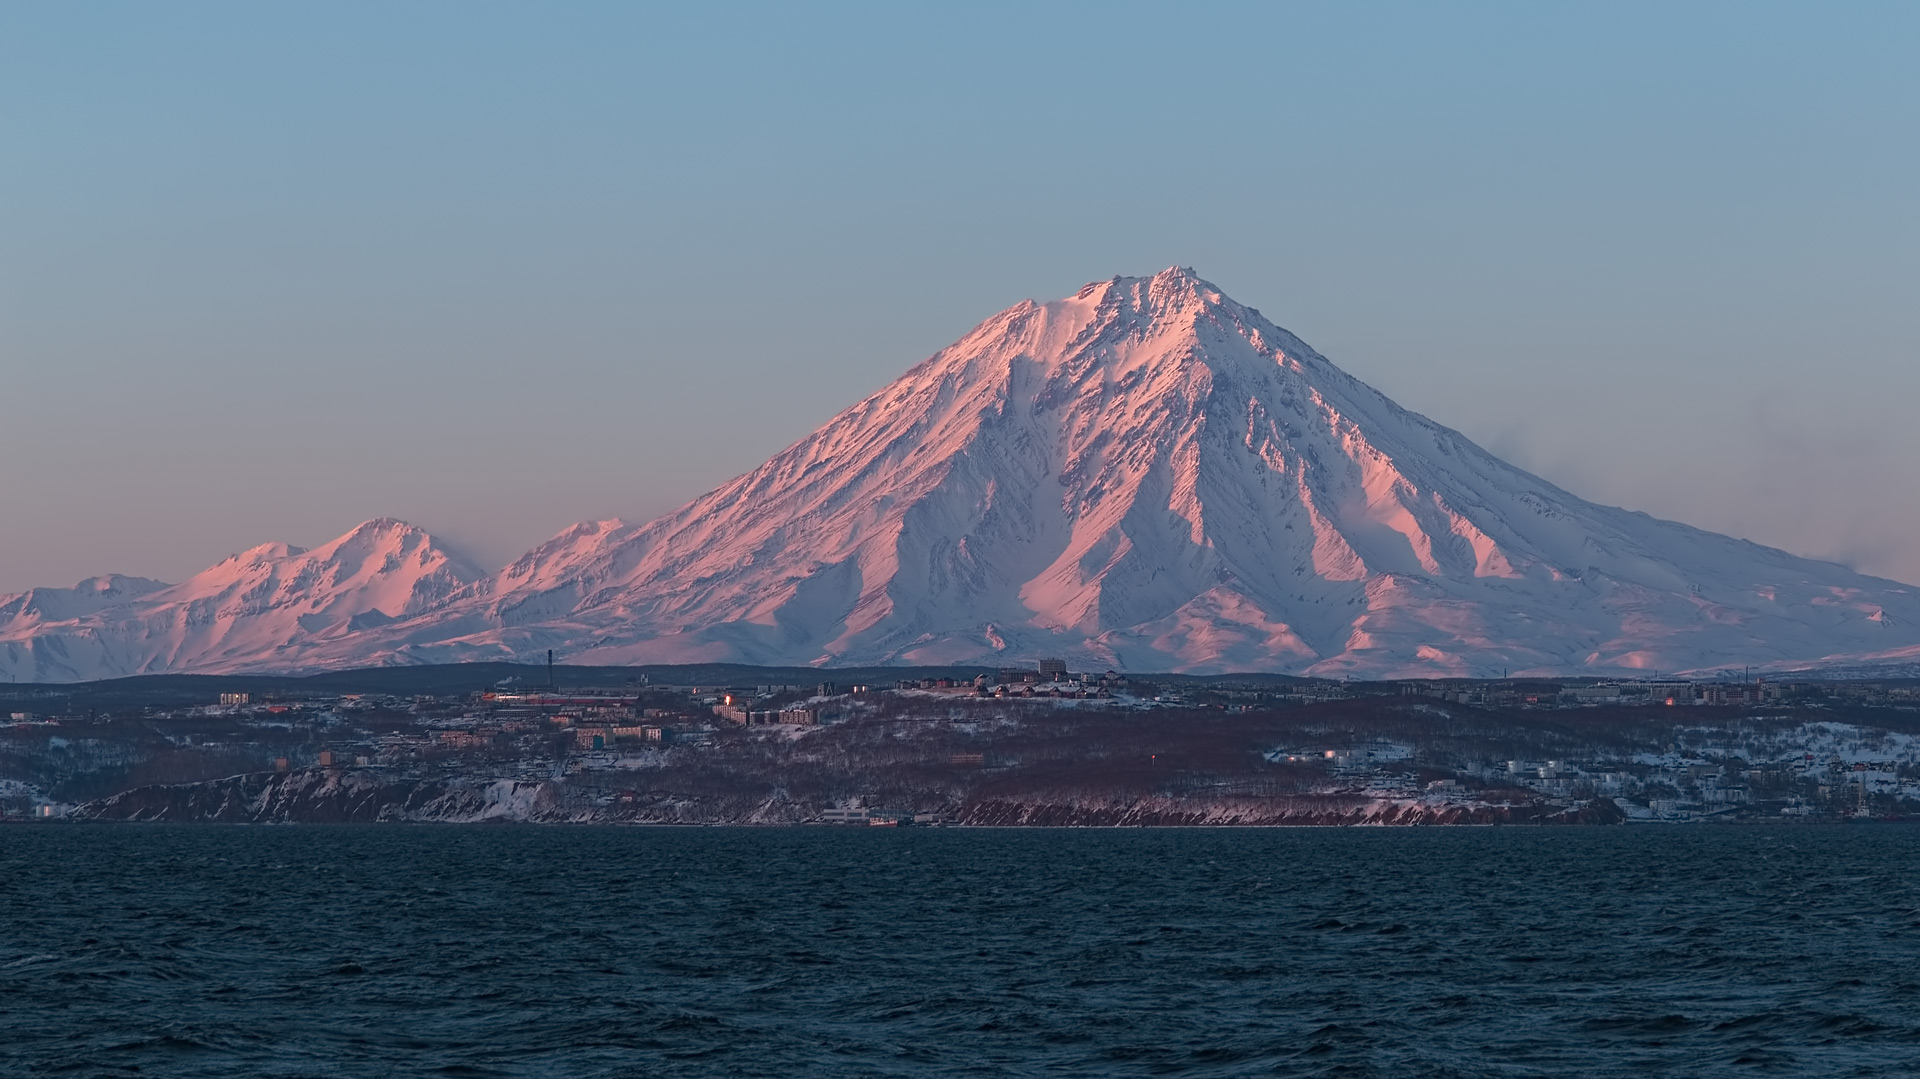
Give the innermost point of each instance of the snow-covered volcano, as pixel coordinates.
(1150, 476)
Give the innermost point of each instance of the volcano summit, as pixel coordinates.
(1146, 475)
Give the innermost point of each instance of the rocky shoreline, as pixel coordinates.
(343, 796)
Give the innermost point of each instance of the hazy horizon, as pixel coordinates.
(271, 273)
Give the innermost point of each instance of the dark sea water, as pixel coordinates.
(393, 951)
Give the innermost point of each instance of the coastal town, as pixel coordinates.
(1034, 744)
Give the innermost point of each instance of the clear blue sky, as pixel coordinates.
(270, 269)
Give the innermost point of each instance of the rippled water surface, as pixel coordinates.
(396, 951)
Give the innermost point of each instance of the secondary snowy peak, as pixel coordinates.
(1148, 474)
(38, 605)
(252, 609)
(381, 570)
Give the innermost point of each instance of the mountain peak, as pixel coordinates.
(1173, 277)
(399, 542)
(266, 552)
(250, 610)
(385, 525)
(1182, 280)
(1146, 475)
(1172, 289)
(117, 583)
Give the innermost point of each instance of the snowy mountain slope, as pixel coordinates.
(1152, 476)
(1145, 475)
(251, 611)
(36, 606)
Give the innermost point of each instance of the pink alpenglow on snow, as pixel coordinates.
(257, 610)
(1146, 475)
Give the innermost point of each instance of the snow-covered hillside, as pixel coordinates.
(43, 605)
(1146, 475)
(255, 610)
